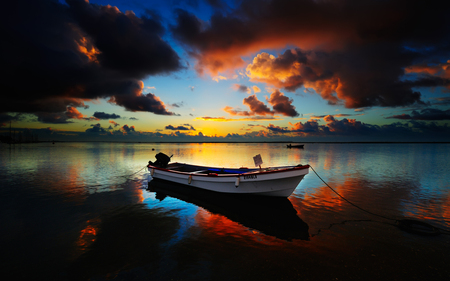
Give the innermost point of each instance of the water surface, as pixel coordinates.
(86, 211)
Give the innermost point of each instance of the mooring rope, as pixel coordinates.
(411, 225)
(126, 176)
(381, 216)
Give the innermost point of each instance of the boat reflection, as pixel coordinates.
(269, 215)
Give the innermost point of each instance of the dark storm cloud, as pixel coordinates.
(128, 129)
(308, 127)
(431, 128)
(127, 43)
(242, 88)
(103, 115)
(58, 55)
(278, 129)
(60, 117)
(348, 126)
(218, 4)
(350, 52)
(335, 115)
(53, 117)
(141, 102)
(96, 129)
(5, 118)
(178, 104)
(186, 127)
(441, 101)
(428, 114)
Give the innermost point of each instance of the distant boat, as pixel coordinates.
(274, 181)
(295, 146)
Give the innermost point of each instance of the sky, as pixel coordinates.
(213, 71)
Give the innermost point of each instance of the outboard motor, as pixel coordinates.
(161, 160)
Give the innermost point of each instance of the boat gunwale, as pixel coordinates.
(253, 172)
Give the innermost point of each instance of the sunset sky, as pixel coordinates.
(212, 70)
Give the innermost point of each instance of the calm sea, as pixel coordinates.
(86, 211)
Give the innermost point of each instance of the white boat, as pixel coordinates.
(273, 181)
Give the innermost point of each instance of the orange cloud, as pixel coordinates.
(343, 126)
(282, 104)
(219, 77)
(215, 62)
(235, 112)
(256, 107)
(256, 89)
(308, 126)
(347, 55)
(114, 123)
(219, 48)
(88, 49)
(265, 68)
(329, 118)
(294, 69)
(73, 113)
(443, 69)
(326, 88)
(208, 118)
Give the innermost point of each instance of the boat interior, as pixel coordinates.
(193, 169)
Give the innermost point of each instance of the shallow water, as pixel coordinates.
(79, 211)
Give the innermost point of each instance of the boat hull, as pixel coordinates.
(279, 183)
